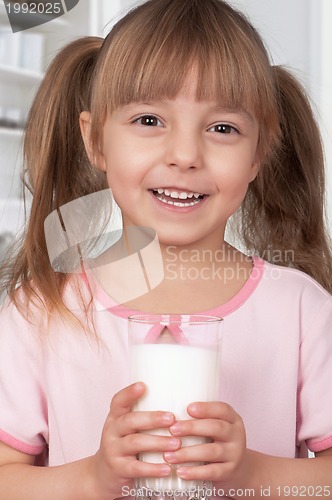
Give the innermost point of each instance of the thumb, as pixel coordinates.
(123, 400)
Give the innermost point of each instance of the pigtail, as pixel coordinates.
(57, 169)
(285, 205)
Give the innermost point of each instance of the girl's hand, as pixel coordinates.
(115, 464)
(224, 454)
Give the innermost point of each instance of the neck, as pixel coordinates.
(200, 259)
(177, 278)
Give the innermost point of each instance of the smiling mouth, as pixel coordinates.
(178, 198)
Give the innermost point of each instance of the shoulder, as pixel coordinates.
(292, 290)
(15, 312)
(19, 336)
(32, 313)
(293, 281)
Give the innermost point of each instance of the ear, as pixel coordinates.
(255, 167)
(96, 159)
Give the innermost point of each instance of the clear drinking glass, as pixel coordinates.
(177, 356)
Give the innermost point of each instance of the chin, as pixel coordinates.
(177, 240)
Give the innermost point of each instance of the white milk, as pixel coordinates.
(175, 375)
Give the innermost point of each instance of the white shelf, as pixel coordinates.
(11, 215)
(18, 86)
(11, 132)
(13, 74)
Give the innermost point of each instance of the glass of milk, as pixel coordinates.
(177, 356)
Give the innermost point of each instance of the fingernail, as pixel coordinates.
(165, 470)
(169, 456)
(176, 428)
(167, 417)
(181, 472)
(174, 443)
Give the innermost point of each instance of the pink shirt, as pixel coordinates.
(56, 383)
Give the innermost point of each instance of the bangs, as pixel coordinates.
(151, 52)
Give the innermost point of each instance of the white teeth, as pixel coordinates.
(182, 195)
(178, 195)
(178, 203)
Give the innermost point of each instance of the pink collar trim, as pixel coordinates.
(224, 310)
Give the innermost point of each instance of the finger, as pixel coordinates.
(123, 400)
(218, 430)
(138, 443)
(208, 452)
(215, 409)
(209, 472)
(134, 468)
(137, 421)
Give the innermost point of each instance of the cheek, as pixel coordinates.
(116, 168)
(233, 187)
(123, 178)
(127, 172)
(235, 180)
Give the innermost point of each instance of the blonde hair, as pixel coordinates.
(148, 55)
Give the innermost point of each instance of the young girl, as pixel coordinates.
(179, 112)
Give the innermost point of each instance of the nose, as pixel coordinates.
(184, 149)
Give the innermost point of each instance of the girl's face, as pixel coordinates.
(181, 167)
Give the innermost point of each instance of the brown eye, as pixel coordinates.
(222, 128)
(148, 121)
